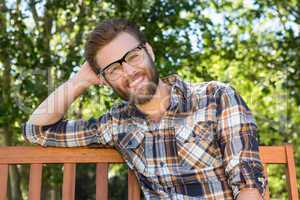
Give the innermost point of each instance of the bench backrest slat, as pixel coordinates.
(291, 173)
(273, 154)
(134, 192)
(35, 181)
(101, 181)
(58, 155)
(3, 180)
(69, 181)
(267, 195)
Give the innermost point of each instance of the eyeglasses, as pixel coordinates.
(134, 57)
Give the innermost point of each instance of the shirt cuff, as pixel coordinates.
(30, 132)
(248, 175)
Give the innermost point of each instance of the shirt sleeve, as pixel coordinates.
(71, 133)
(237, 133)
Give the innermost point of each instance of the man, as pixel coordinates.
(183, 141)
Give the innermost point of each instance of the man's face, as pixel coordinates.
(137, 83)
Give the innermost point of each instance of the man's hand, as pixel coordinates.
(53, 108)
(87, 76)
(249, 194)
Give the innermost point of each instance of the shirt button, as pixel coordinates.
(162, 163)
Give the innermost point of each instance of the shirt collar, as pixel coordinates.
(180, 93)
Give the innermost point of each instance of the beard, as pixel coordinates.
(146, 90)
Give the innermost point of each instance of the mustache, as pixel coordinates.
(133, 77)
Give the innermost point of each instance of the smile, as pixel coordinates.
(137, 82)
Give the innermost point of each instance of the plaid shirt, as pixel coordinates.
(204, 147)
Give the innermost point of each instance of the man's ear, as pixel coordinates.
(150, 51)
(101, 79)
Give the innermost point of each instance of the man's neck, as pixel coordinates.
(156, 107)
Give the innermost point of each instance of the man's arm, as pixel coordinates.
(53, 108)
(46, 127)
(249, 194)
(239, 146)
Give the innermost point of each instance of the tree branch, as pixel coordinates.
(36, 18)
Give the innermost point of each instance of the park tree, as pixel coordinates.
(253, 45)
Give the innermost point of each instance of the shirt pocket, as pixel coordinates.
(196, 146)
(132, 148)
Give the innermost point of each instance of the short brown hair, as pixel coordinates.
(106, 32)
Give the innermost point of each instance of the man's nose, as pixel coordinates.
(128, 69)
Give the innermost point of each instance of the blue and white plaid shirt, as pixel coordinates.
(204, 147)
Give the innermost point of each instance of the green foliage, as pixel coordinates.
(253, 45)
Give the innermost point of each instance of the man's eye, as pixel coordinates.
(133, 57)
(114, 68)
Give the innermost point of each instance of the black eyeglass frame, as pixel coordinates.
(120, 61)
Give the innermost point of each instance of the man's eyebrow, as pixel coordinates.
(118, 60)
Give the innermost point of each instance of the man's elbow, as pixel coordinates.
(31, 133)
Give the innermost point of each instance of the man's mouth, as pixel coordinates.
(136, 82)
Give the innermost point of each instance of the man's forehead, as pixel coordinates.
(116, 48)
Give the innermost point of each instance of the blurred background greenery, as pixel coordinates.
(253, 45)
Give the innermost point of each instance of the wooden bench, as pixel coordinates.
(37, 156)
